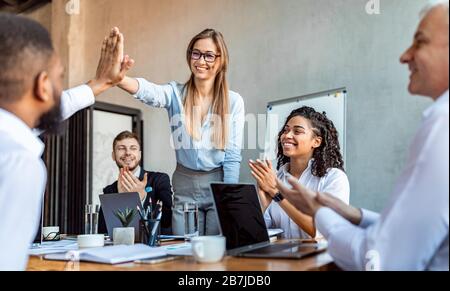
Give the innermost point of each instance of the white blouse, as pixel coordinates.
(335, 182)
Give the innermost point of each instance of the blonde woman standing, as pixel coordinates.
(207, 123)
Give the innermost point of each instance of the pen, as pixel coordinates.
(149, 209)
(155, 226)
(157, 208)
(157, 222)
(144, 221)
(140, 212)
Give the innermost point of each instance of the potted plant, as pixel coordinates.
(124, 235)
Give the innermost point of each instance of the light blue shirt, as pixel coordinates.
(412, 231)
(198, 155)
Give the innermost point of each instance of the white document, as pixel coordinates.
(110, 255)
(53, 247)
(274, 232)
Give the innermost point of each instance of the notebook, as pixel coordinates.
(110, 255)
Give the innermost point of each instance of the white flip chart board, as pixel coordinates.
(333, 102)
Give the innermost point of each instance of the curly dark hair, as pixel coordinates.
(328, 155)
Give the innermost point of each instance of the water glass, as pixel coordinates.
(191, 228)
(91, 214)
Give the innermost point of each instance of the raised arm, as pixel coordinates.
(130, 85)
(111, 70)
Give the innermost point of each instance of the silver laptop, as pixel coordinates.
(242, 224)
(112, 202)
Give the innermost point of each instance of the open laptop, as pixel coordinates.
(242, 224)
(112, 202)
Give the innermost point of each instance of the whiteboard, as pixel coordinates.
(333, 102)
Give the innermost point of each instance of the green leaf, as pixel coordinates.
(125, 217)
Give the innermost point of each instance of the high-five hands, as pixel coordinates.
(113, 65)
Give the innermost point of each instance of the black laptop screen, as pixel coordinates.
(240, 215)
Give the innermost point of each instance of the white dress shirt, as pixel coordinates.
(335, 182)
(412, 231)
(23, 179)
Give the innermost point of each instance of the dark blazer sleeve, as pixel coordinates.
(163, 190)
(111, 189)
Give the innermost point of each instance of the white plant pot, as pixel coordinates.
(123, 236)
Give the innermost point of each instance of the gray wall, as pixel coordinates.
(281, 49)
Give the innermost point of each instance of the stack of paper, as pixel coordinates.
(110, 255)
(53, 247)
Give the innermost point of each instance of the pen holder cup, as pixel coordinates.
(150, 232)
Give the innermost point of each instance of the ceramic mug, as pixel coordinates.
(91, 241)
(208, 249)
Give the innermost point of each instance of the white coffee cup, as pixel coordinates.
(50, 233)
(208, 249)
(91, 241)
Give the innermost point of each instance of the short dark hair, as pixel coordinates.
(26, 50)
(125, 135)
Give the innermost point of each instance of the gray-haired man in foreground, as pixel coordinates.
(412, 231)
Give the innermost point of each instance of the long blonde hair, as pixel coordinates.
(220, 105)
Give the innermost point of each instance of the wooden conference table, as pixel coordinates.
(319, 262)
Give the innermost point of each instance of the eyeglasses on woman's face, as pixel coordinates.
(209, 57)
